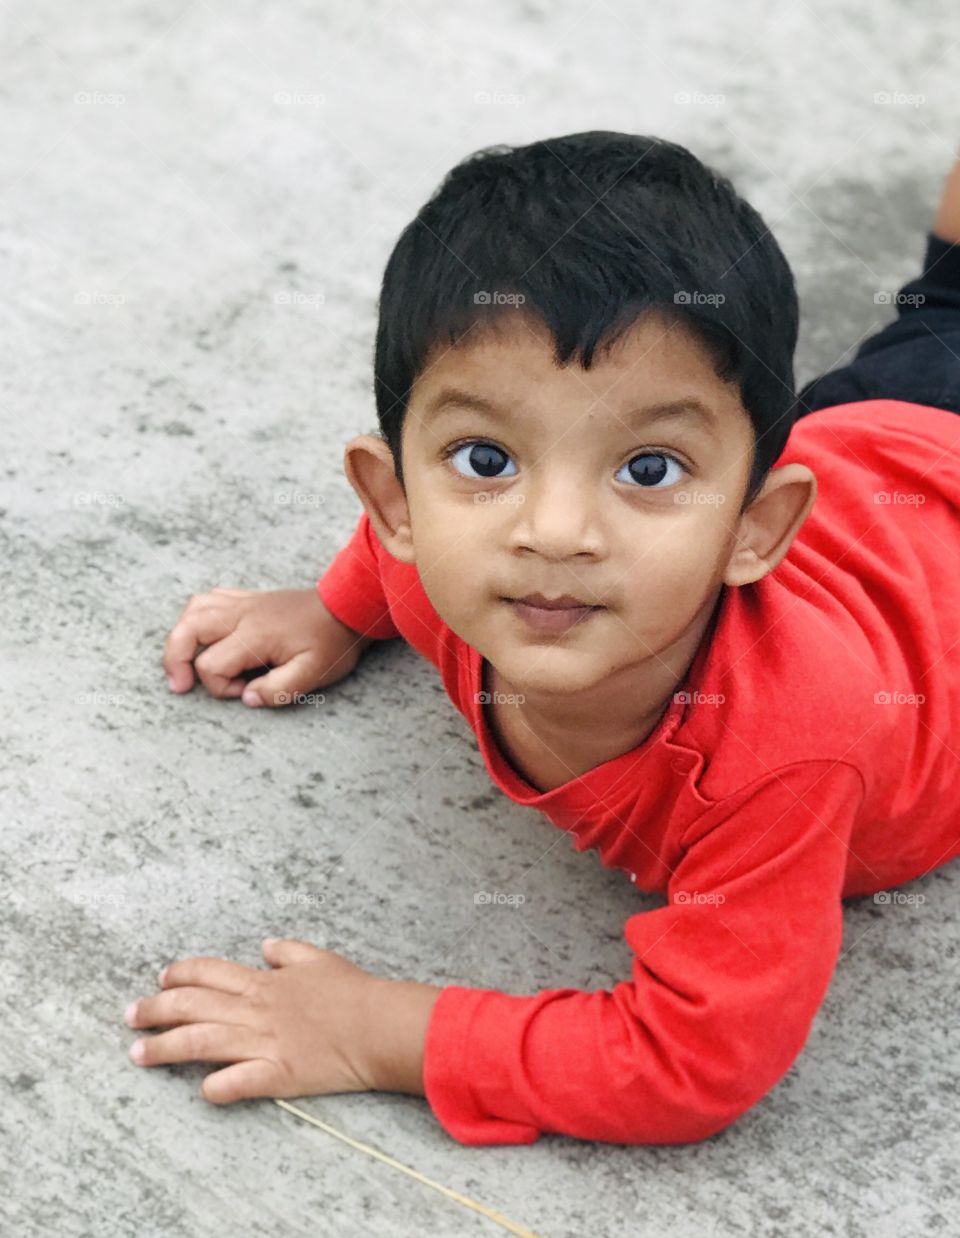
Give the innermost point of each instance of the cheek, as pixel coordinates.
(670, 540)
(673, 562)
(450, 564)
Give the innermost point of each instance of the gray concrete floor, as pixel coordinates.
(160, 400)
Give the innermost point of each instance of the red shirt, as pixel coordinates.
(811, 753)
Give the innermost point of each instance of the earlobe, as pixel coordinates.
(368, 464)
(771, 522)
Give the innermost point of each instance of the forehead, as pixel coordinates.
(657, 356)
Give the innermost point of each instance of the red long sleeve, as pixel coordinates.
(807, 756)
(726, 981)
(351, 588)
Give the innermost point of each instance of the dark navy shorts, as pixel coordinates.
(917, 356)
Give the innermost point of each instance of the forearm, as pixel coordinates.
(397, 1015)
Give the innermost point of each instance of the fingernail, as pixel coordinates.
(170, 682)
(130, 1013)
(270, 941)
(163, 974)
(252, 698)
(138, 1051)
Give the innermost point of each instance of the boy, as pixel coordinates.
(744, 699)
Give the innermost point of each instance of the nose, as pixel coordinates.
(559, 517)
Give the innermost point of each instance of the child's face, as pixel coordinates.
(556, 510)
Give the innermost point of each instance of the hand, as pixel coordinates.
(947, 222)
(297, 1030)
(289, 630)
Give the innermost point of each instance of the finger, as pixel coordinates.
(220, 665)
(211, 973)
(282, 952)
(246, 1080)
(285, 683)
(202, 623)
(198, 1042)
(186, 1004)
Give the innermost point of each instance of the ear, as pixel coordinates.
(770, 523)
(368, 464)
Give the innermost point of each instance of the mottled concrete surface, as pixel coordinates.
(163, 402)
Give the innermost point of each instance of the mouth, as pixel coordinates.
(551, 615)
(564, 602)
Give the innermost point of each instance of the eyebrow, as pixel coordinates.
(453, 399)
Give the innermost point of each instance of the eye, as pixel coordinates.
(487, 461)
(484, 457)
(651, 467)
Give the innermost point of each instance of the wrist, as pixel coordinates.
(397, 1014)
(357, 640)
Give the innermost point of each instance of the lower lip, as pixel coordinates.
(553, 621)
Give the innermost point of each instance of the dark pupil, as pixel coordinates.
(486, 459)
(644, 471)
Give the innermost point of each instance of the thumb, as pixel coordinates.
(284, 951)
(283, 684)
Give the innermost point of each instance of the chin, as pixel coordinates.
(547, 668)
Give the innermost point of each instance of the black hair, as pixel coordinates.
(593, 230)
